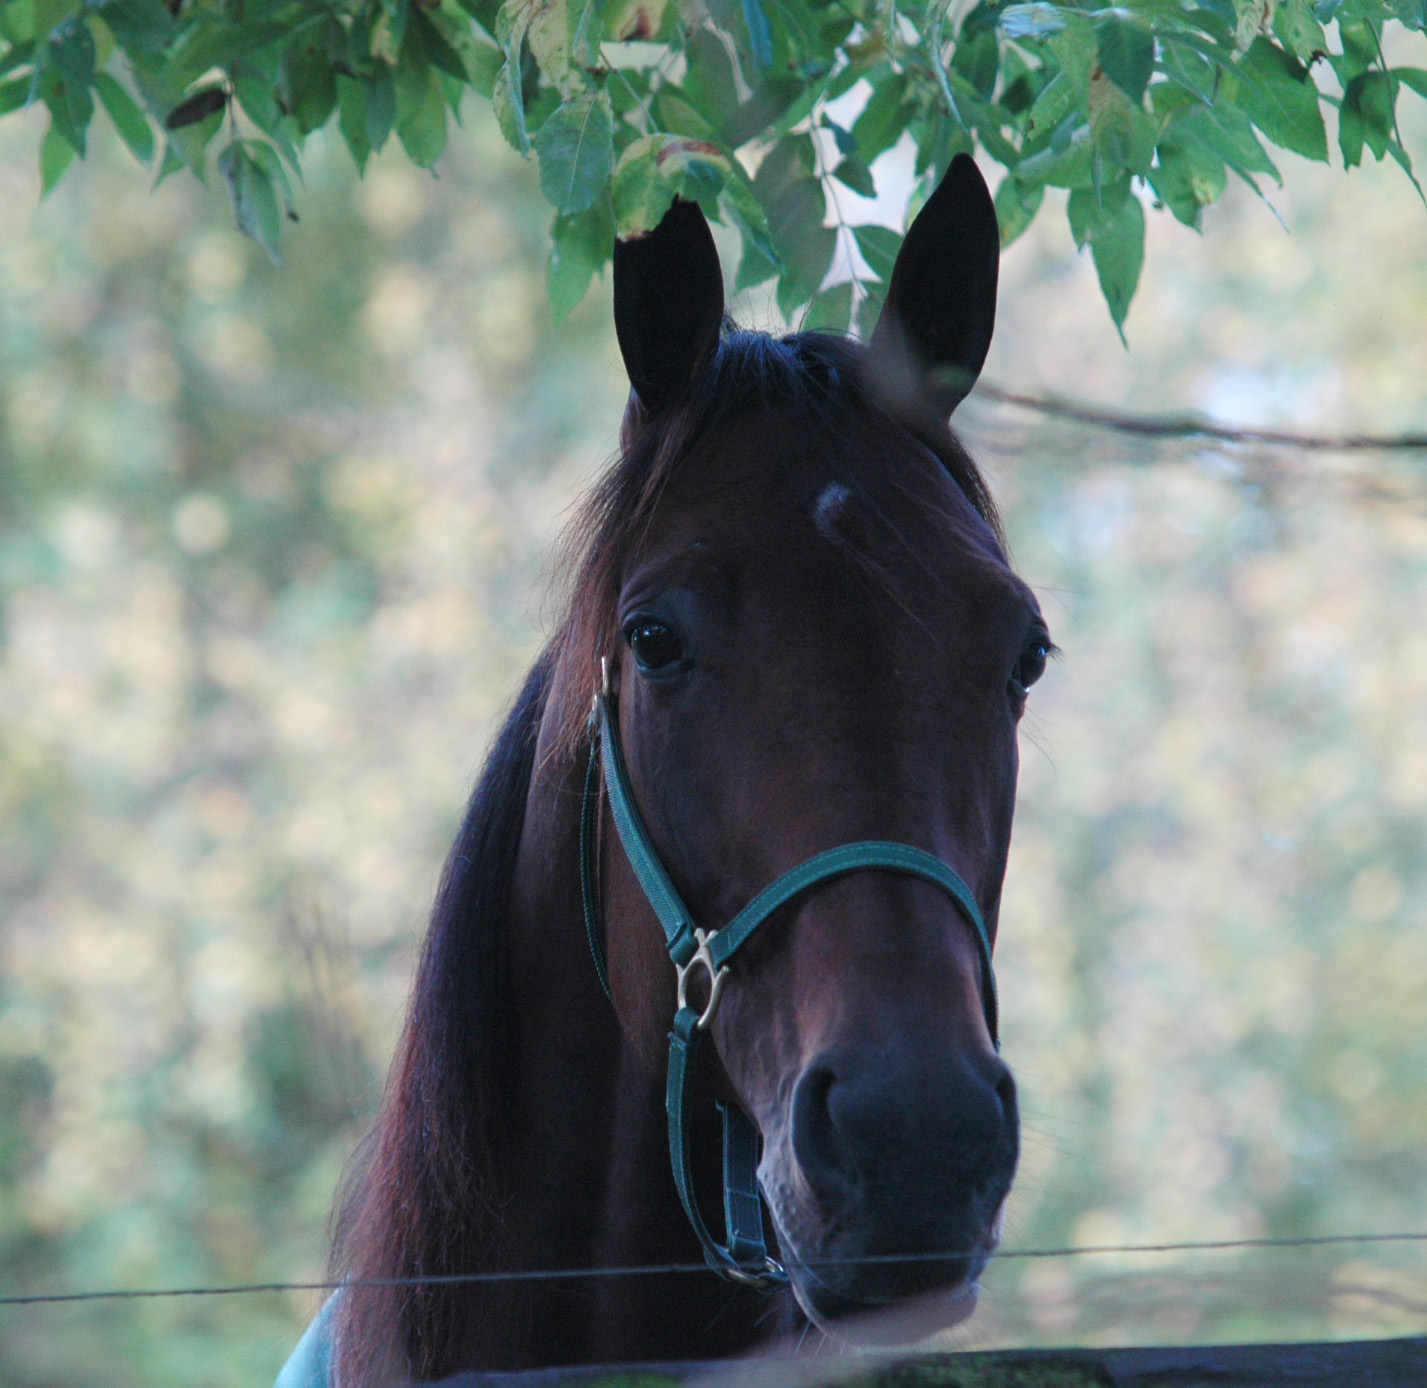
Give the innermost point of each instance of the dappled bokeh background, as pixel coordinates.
(274, 545)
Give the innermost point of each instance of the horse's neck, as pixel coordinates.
(589, 1167)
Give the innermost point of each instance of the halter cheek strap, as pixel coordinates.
(743, 1256)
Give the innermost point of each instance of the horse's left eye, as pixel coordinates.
(657, 648)
(1031, 666)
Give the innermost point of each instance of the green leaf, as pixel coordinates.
(388, 36)
(655, 169)
(63, 71)
(189, 145)
(579, 245)
(507, 100)
(306, 82)
(830, 311)
(266, 157)
(1092, 211)
(1225, 132)
(1054, 103)
(883, 119)
(420, 109)
(1126, 51)
(575, 147)
(1277, 94)
(1359, 40)
(56, 155)
(438, 50)
(762, 110)
(642, 195)
(1413, 77)
(1365, 115)
(804, 245)
(141, 26)
(14, 94)
(381, 106)
(1187, 178)
(129, 120)
(1121, 131)
(17, 55)
(483, 62)
(1119, 254)
(1298, 30)
(710, 86)
(760, 34)
(254, 200)
(856, 175)
(1065, 164)
(71, 50)
(879, 247)
(760, 259)
(1016, 207)
(203, 48)
(352, 119)
(977, 55)
(676, 115)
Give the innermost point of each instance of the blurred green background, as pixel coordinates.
(272, 555)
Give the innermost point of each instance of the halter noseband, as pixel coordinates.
(744, 1257)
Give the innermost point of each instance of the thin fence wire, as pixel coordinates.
(666, 1269)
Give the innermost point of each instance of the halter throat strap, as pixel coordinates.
(743, 1257)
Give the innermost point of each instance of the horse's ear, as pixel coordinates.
(935, 328)
(668, 304)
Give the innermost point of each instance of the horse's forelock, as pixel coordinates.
(816, 374)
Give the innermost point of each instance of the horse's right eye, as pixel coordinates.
(657, 648)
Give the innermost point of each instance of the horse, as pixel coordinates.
(794, 653)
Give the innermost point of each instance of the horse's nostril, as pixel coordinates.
(815, 1143)
(1006, 1091)
(880, 1127)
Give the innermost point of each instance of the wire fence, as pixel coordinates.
(671, 1269)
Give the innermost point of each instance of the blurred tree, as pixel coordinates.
(269, 549)
(255, 526)
(769, 114)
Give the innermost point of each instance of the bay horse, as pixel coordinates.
(806, 653)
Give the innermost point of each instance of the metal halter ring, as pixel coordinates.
(716, 978)
(773, 1275)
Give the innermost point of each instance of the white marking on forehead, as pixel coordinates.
(827, 508)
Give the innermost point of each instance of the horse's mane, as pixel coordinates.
(421, 1198)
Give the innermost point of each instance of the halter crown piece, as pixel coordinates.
(744, 1255)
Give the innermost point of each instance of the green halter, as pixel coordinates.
(744, 1257)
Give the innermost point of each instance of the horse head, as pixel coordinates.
(802, 655)
(816, 640)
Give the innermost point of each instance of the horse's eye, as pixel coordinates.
(1031, 666)
(657, 648)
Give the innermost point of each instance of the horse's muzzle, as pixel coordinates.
(889, 1182)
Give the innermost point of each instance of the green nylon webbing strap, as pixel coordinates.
(742, 1202)
(589, 895)
(663, 897)
(859, 857)
(745, 1256)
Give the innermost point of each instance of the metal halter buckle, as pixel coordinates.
(702, 956)
(772, 1275)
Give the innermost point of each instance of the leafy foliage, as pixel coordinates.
(626, 104)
